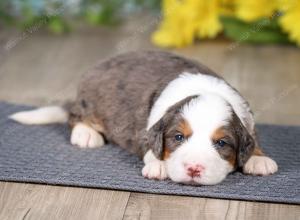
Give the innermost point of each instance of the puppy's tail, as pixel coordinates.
(44, 115)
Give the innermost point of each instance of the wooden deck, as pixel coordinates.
(40, 69)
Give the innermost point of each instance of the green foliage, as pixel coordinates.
(103, 12)
(58, 26)
(31, 13)
(261, 31)
(5, 17)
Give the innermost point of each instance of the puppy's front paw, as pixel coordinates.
(155, 170)
(260, 165)
(86, 137)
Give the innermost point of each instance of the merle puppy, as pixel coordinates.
(186, 122)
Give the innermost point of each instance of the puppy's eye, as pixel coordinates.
(220, 143)
(179, 137)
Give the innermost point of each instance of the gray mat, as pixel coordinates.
(42, 154)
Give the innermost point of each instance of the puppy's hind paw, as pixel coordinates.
(260, 165)
(155, 170)
(86, 137)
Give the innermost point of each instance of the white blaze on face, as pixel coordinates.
(205, 114)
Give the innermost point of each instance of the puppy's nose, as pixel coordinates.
(194, 170)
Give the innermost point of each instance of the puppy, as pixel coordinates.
(186, 122)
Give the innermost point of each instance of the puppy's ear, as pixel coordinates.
(155, 139)
(246, 144)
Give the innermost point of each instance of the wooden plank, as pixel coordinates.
(148, 206)
(34, 201)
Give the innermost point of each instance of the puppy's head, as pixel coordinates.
(201, 139)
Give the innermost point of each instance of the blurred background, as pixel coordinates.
(46, 45)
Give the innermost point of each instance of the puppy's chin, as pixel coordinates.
(196, 181)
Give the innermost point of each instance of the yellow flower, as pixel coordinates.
(285, 5)
(290, 20)
(208, 23)
(251, 10)
(186, 19)
(173, 30)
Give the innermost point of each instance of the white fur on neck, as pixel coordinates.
(188, 84)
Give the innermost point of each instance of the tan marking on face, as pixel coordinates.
(218, 134)
(185, 128)
(232, 159)
(166, 153)
(227, 153)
